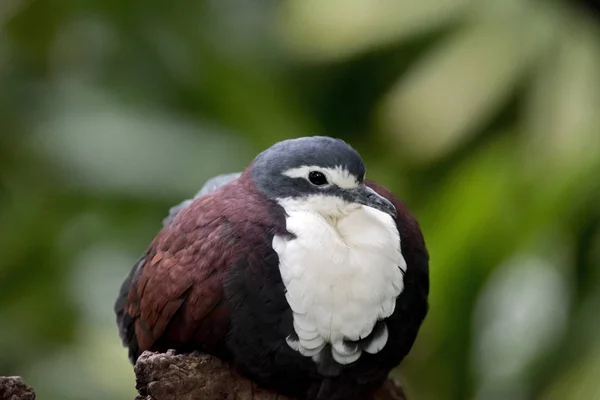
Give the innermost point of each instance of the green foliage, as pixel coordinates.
(483, 116)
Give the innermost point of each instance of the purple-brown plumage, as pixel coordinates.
(211, 281)
(176, 298)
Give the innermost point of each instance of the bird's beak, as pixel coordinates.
(368, 197)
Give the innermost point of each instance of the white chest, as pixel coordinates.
(340, 277)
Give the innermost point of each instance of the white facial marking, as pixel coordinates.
(338, 175)
(341, 276)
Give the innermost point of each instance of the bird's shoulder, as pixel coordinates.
(237, 211)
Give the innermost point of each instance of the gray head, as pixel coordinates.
(319, 173)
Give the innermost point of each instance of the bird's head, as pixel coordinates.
(317, 174)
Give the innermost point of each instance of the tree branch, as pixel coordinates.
(14, 388)
(171, 376)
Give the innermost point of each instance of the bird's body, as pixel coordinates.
(297, 271)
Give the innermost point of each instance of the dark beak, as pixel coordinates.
(368, 197)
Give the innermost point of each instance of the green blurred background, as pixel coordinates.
(484, 116)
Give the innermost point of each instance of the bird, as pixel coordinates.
(308, 278)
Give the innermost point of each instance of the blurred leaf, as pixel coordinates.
(107, 146)
(457, 88)
(521, 314)
(563, 123)
(337, 29)
(477, 195)
(580, 382)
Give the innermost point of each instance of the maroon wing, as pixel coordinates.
(174, 295)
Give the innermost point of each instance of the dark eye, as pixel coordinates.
(317, 178)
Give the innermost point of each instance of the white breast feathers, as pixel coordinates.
(341, 277)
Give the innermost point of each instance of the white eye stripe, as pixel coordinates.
(338, 175)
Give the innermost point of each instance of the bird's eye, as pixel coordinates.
(317, 178)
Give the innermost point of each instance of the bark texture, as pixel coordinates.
(171, 376)
(14, 388)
